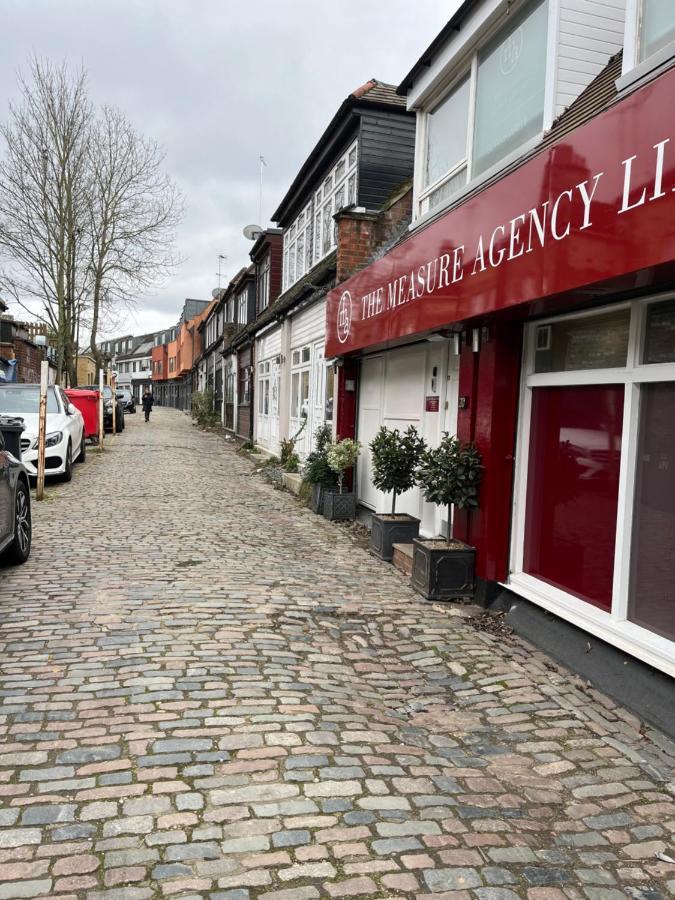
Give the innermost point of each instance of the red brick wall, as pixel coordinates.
(361, 234)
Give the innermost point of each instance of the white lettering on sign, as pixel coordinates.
(553, 219)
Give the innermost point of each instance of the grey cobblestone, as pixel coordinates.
(246, 705)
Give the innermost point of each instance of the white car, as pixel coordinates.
(65, 439)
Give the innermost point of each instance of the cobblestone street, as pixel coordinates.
(210, 692)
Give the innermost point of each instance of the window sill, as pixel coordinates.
(647, 69)
(480, 181)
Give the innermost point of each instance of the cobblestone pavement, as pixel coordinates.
(210, 692)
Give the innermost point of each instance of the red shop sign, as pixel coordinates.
(432, 404)
(596, 205)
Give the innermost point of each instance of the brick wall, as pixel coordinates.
(29, 358)
(362, 234)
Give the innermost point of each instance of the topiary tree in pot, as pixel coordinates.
(395, 457)
(317, 472)
(341, 457)
(449, 475)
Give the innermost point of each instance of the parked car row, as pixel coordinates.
(72, 417)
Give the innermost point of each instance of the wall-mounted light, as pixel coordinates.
(456, 344)
(475, 339)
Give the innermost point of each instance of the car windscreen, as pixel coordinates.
(25, 399)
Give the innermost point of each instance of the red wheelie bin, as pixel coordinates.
(87, 403)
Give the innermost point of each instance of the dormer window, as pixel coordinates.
(657, 26)
(489, 111)
(312, 235)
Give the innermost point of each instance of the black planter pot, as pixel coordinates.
(338, 507)
(318, 490)
(387, 530)
(440, 572)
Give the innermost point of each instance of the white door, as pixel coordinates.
(411, 386)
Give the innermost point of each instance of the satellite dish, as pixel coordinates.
(215, 293)
(253, 232)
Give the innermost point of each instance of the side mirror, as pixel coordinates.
(71, 409)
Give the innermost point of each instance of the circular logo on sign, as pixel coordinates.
(511, 51)
(344, 317)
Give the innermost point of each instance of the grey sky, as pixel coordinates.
(219, 82)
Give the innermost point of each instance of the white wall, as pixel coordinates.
(308, 325)
(589, 33)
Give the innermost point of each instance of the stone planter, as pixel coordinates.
(387, 530)
(442, 572)
(339, 507)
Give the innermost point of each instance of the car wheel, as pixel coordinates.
(68, 473)
(83, 450)
(19, 550)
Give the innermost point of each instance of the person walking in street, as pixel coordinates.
(148, 401)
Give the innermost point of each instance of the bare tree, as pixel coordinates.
(132, 213)
(87, 215)
(43, 186)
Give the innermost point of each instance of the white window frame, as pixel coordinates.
(633, 68)
(264, 283)
(323, 205)
(241, 308)
(613, 626)
(469, 68)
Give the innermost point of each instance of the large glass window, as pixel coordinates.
(510, 88)
(506, 80)
(595, 491)
(652, 583)
(657, 26)
(572, 489)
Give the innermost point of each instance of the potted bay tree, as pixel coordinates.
(341, 457)
(449, 475)
(395, 458)
(317, 472)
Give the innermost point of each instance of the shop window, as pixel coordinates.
(572, 488)
(657, 26)
(652, 595)
(588, 342)
(660, 333)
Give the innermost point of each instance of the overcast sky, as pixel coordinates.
(218, 83)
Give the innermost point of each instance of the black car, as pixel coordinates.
(108, 406)
(126, 398)
(15, 515)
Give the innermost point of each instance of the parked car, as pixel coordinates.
(126, 398)
(65, 437)
(108, 407)
(15, 515)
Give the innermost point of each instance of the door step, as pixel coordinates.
(403, 558)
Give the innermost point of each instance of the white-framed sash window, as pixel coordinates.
(594, 501)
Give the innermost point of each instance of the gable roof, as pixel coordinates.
(373, 94)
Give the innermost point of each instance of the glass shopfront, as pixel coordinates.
(594, 512)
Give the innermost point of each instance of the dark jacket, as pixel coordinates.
(147, 402)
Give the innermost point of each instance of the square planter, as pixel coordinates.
(387, 530)
(440, 572)
(338, 507)
(316, 500)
